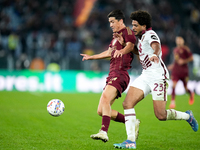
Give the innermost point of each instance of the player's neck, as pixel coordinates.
(180, 45)
(122, 27)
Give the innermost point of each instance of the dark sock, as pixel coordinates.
(105, 123)
(173, 94)
(120, 118)
(188, 91)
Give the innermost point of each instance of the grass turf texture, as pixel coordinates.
(26, 125)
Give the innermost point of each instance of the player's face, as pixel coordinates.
(179, 41)
(137, 28)
(114, 24)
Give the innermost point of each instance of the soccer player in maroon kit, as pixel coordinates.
(118, 77)
(179, 69)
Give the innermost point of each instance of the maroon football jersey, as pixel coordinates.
(118, 75)
(121, 63)
(183, 53)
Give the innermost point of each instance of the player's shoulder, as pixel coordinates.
(151, 34)
(127, 31)
(176, 48)
(186, 48)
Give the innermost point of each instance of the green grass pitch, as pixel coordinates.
(26, 125)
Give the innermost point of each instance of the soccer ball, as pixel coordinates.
(55, 107)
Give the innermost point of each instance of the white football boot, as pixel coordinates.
(102, 135)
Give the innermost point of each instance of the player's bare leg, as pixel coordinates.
(171, 114)
(118, 117)
(191, 94)
(173, 104)
(133, 96)
(104, 110)
(191, 99)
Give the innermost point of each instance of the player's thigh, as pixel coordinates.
(134, 95)
(141, 84)
(107, 98)
(159, 96)
(109, 94)
(137, 91)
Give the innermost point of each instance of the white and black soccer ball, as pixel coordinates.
(55, 107)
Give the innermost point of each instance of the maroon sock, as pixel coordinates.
(173, 94)
(188, 91)
(120, 118)
(105, 123)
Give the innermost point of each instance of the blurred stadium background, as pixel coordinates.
(41, 41)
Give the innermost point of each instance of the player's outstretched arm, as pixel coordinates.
(86, 57)
(105, 54)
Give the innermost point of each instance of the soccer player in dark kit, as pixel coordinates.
(118, 77)
(179, 69)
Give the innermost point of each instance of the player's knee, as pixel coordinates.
(104, 96)
(127, 105)
(99, 112)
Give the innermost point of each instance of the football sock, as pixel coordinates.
(173, 94)
(188, 91)
(176, 115)
(130, 119)
(105, 123)
(120, 118)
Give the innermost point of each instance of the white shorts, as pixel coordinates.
(158, 87)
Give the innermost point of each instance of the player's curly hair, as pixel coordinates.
(142, 17)
(118, 14)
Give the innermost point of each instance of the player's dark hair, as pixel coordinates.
(142, 17)
(118, 14)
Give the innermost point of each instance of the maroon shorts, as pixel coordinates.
(120, 82)
(179, 73)
(178, 76)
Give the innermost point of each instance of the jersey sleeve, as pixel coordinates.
(129, 36)
(188, 52)
(152, 37)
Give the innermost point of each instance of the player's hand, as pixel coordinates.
(170, 67)
(85, 57)
(154, 58)
(180, 61)
(117, 54)
(119, 38)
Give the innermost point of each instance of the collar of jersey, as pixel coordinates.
(146, 30)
